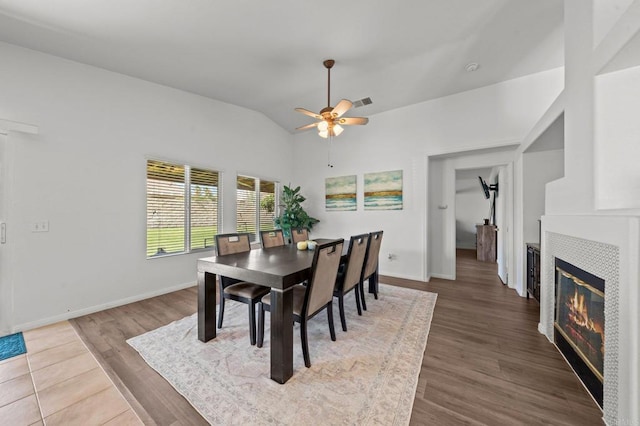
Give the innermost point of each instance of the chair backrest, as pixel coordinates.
(355, 261)
(324, 270)
(272, 238)
(299, 234)
(373, 251)
(232, 243)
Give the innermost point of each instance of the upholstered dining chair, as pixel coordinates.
(272, 238)
(233, 289)
(313, 298)
(370, 271)
(299, 234)
(349, 277)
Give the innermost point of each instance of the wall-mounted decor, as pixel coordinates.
(383, 190)
(341, 193)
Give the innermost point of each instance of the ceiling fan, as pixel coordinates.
(331, 119)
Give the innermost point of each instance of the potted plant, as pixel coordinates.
(293, 215)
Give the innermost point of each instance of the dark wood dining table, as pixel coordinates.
(279, 268)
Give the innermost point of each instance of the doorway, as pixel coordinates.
(443, 238)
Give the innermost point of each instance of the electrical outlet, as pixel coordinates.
(40, 226)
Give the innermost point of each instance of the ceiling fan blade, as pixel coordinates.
(342, 107)
(349, 121)
(309, 113)
(307, 126)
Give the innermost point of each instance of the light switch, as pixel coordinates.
(3, 233)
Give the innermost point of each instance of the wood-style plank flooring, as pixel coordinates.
(485, 361)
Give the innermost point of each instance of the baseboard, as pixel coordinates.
(97, 308)
(386, 279)
(443, 276)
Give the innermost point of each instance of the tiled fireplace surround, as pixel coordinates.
(608, 247)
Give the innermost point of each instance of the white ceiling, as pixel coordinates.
(267, 55)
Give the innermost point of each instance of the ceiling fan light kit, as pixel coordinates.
(330, 118)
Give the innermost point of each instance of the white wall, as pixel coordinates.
(404, 138)
(5, 264)
(616, 143)
(85, 174)
(539, 168)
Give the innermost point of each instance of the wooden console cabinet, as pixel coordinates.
(486, 246)
(533, 270)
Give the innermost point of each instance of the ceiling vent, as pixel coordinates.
(362, 102)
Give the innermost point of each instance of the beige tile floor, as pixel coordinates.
(59, 382)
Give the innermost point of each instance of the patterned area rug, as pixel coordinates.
(367, 376)
(12, 345)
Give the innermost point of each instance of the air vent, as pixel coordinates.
(362, 102)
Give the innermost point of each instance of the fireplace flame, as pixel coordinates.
(578, 312)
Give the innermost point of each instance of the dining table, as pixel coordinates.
(279, 268)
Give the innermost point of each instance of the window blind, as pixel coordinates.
(203, 207)
(255, 205)
(246, 218)
(165, 208)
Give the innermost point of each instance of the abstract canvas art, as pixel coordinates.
(383, 190)
(341, 193)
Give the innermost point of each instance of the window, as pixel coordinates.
(255, 205)
(182, 208)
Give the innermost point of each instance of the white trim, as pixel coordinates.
(443, 276)
(98, 308)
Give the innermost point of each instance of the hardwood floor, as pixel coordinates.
(485, 361)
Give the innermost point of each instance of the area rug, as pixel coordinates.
(12, 345)
(367, 376)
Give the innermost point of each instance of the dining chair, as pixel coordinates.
(238, 290)
(313, 298)
(272, 238)
(299, 234)
(370, 271)
(349, 277)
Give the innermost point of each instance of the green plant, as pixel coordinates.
(293, 216)
(267, 203)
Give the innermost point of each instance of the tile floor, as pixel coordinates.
(59, 382)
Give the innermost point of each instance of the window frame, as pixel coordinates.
(187, 206)
(276, 195)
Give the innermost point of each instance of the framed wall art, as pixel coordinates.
(340, 193)
(383, 190)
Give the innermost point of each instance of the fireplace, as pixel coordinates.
(579, 324)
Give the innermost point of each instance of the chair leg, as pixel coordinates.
(343, 320)
(355, 290)
(221, 314)
(361, 288)
(373, 284)
(305, 343)
(252, 323)
(332, 330)
(260, 325)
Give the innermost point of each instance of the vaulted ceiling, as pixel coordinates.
(267, 55)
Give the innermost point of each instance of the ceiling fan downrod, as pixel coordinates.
(328, 65)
